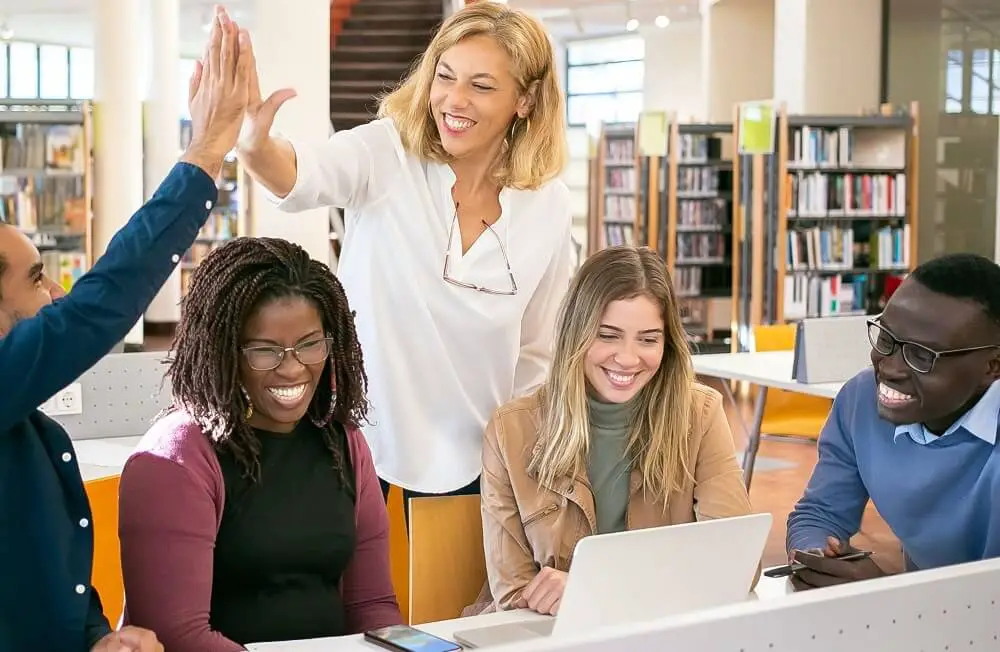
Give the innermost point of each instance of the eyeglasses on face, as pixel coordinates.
(266, 358)
(471, 286)
(917, 357)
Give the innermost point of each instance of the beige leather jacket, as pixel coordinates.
(526, 526)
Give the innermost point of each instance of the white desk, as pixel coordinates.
(766, 369)
(767, 588)
(103, 458)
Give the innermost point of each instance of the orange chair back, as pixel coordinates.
(788, 413)
(107, 572)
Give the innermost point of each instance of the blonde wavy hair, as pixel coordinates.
(658, 426)
(536, 149)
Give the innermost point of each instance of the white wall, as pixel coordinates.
(737, 55)
(673, 79)
(293, 50)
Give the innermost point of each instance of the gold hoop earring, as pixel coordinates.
(249, 411)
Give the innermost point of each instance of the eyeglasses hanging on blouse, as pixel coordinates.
(471, 286)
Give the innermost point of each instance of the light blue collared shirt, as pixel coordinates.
(981, 421)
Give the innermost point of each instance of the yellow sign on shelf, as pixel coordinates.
(653, 127)
(757, 127)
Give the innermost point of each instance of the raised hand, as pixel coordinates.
(218, 94)
(260, 112)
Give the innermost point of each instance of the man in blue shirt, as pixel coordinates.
(916, 433)
(47, 341)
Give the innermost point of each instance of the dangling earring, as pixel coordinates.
(249, 412)
(322, 423)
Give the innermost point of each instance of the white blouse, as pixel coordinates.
(439, 358)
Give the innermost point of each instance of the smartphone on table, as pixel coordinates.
(785, 571)
(403, 638)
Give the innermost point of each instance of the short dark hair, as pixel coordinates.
(228, 285)
(963, 276)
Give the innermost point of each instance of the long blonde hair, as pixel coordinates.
(536, 149)
(658, 426)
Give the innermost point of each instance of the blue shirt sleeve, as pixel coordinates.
(835, 498)
(45, 353)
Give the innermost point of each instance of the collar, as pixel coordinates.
(980, 421)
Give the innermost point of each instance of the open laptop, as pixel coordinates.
(644, 575)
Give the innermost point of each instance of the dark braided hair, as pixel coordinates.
(227, 287)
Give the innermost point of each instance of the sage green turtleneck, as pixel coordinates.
(607, 468)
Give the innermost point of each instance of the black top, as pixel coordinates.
(284, 542)
(46, 529)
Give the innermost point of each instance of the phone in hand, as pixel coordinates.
(785, 571)
(403, 638)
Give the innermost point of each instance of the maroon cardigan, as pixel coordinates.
(170, 507)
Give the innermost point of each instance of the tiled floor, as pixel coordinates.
(775, 488)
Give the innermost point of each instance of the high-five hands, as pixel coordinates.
(218, 94)
(544, 593)
(837, 563)
(260, 112)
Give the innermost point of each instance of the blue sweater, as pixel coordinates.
(46, 536)
(938, 497)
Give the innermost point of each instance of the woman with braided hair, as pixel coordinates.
(251, 510)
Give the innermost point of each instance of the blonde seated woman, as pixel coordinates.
(619, 437)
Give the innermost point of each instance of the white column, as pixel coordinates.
(673, 78)
(827, 55)
(161, 124)
(117, 123)
(737, 54)
(293, 51)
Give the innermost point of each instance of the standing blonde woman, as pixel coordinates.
(457, 248)
(619, 437)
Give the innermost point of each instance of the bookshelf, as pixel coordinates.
(697, 242)
(229, 217)
(615, 217)
(826, 221)
(46, 181)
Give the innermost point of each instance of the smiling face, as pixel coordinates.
(474, 97)
(628, 349)
(281, 396)
(939, 323)
(24, 287)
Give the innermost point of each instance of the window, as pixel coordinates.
(53, 78)
(954, 90)
(81, 73)
(604, 80)
(23, 70)
(972, 81)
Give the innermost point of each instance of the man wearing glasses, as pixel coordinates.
(916, 434)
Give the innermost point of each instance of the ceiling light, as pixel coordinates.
(632, 25)
(662, 21)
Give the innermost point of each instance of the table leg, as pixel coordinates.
(753, 436)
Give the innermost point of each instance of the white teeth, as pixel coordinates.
(888, 395)
(288, 394)
(457, 124)
(620, 379)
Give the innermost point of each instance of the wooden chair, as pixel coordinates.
(789, 413)
(107, 572)
(447, 562)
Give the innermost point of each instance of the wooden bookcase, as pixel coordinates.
(829, 218)
(614, 219)
(46, 181)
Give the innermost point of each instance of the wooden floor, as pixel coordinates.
(775, 489)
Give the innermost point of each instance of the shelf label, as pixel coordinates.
(653, 133)
(757, 127)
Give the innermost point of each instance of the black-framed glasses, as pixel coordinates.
(917, 357)
(266, 358)
(471, 286)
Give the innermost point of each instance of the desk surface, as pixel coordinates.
(768, 368)
(767, 588)
(102, 458)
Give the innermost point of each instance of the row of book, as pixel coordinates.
(618, 234)
(823, 296)
(619, 208)
(42, 203)
(701, 248)
(38, 147)
(620, 179)
(845, 147)
(699, 148)
(818, 194)
(709, 215)
(836, 248)
(619, 150)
